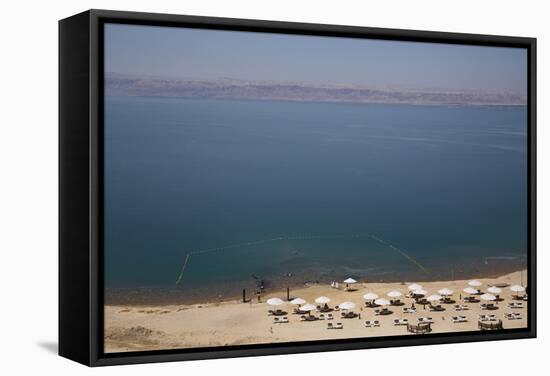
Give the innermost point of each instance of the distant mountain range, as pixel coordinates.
(118, 84)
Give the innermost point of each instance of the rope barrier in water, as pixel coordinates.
(299, 237)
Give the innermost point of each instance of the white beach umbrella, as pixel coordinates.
(474, 283)
(298, 301)
(394, 294)
(494, 290)
(370, 296)
(445, 292)
(433, 298)
(488, 297)
(517, 288)
(347, 305)
(274, 302)
(470, 290)
(420, 292)
(414, 286)
(350, 280)
(308, 307)
(382, 302)
(322, 300)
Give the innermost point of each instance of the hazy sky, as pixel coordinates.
(210, 54)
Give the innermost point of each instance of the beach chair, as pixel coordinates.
(330, 326)
(459, 319)
(509, 316)
(437, 308)
(339, 325)
(321, 316)
(376, 323)
(329, 316)
(369, 323)
(275, 320)
(425, 320)
(303, 318)
(515, 305)
(284, 320)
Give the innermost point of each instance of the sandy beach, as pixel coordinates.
(135, 328)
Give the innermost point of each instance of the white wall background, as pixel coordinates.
(28, 184)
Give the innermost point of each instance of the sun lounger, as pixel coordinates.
(437, 308)
(487, 318)
(330, 326)
(339, 325)
(488, 306)
(400, 322)
(459, 319)
(275, 320)
(284, 320)
(372, 323)
(461, 307)
(303, 318)
(425, 320)
(321, 316)
(329, 316)
(513, 316)
(383, 311)
(409, 310)
(515, 305)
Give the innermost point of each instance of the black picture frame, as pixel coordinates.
(80, 182)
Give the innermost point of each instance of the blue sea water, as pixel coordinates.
(291, 192)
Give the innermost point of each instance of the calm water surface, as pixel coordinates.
(295, 192)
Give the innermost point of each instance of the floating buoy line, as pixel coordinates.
(299, 237)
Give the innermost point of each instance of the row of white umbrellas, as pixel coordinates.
(414, 288)
(306, 307)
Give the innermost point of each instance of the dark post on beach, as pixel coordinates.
(244, 295)
(288, 294)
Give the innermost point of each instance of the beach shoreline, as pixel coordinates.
(172, 295)
(232, 322)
